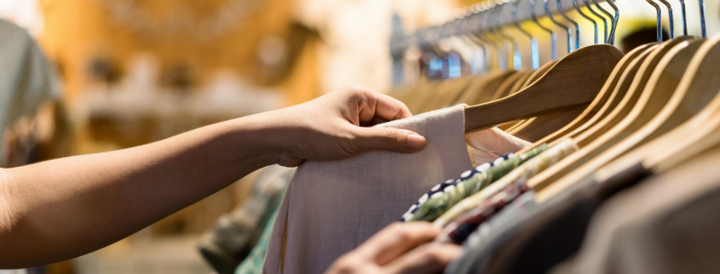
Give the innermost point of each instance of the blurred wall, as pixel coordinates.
(207, 36)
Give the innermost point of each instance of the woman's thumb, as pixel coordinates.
(389, 139)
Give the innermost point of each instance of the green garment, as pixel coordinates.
(253, 263)
(436, 206)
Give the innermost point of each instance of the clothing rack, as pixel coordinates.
(492, 16)
(503, 15)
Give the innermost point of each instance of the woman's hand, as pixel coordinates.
(56, 210)
(399, 248)
(334, 126)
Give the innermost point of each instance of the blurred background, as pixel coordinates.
(130, 72)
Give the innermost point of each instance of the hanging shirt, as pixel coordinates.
(438, 190)
(523, 205)
(666, 224)
(236, 234)
(253, 263)
(330, 208)
(457, 231)
(544, 235)
(523, 172)
(470, 183)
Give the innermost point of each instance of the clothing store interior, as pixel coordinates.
(562, 136)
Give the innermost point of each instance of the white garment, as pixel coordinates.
(332, 207)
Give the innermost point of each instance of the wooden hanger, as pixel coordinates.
(700, 133)
(603, 135)
(505, 88)
(442, 94)
(533, 77)
(573, 81)
(616, 96)
(414, 99)
(484, 94)
(454, 91)
(693, 102)
(489, 82)
(697, 109)
(520, 84)
(538, 73)
(594, 111)
(633, 93)
(694, 142)
(537, 128)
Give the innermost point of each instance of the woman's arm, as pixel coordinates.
(64, 208)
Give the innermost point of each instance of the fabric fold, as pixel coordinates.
(331, 208)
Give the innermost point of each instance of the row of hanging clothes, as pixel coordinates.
(620, 176)
(595, 162)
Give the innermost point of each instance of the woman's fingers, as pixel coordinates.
(395, 240)
(375, 106)
(388, 139)
(429, 258)
(399, 248)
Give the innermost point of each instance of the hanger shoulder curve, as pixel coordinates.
(613, 109)
(510, 126)
(610, 131)
(595, 110)
(505, 88)
(659, 96)
(575, 80)
(485, 92)
(538, 73)
(685, 139)
(520, 84)
(700, 100)
(537, 128)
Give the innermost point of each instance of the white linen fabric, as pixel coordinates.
(332, 207)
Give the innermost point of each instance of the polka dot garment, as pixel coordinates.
(449, 185)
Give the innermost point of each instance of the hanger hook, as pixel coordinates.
(609, 15)
(553, 37)
(671, 17)
(577, 8)
(516, 59)
(494, 30)
(684, 17)
(443, 56)
(659, 20)
(534, 54)
(470, 29)
(484, 10)
(615, 21)
(490, 32)
(465, 29)
(546, 6)
(474, 35)
(592, 10)
(451, 61)
(702, 18)
(573, 22)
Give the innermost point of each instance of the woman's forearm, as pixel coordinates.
(68, 207)
(64, 208)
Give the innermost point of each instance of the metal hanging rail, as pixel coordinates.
(503, 18)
